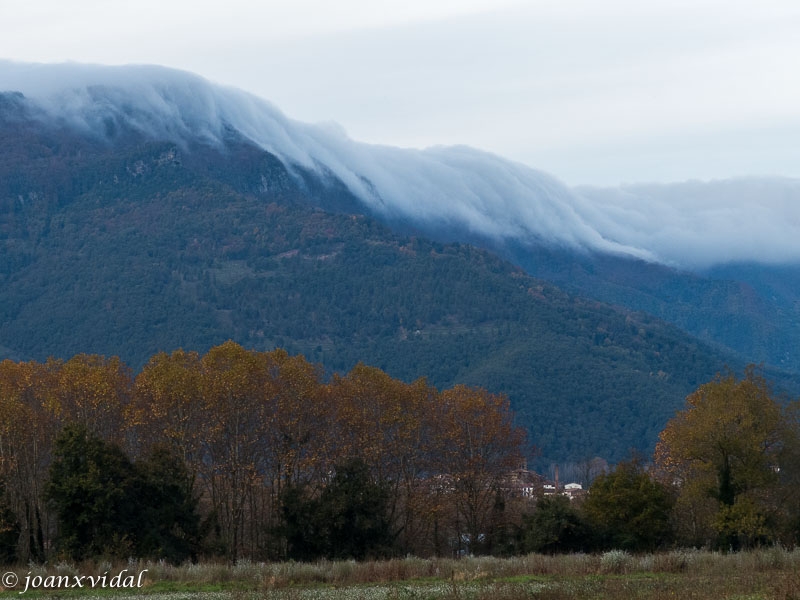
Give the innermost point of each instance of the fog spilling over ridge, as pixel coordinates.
(701, 224)
(693, 225)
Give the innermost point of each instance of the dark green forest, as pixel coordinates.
(128, 247)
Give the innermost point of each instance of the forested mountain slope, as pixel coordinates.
(127, 245)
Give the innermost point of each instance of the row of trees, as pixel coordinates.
(237, 440)
(725, 474)
(239, 453)
(625, 509)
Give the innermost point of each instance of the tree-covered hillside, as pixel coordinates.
(750, 309)
(126, 247)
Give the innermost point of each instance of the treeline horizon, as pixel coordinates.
(242, 454)
(242, 450)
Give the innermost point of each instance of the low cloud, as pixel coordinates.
(701, 224)
(692, 225)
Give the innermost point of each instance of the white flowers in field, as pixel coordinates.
(615, 561)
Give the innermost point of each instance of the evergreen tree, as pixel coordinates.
(348, 520)
(9, 530)
(629, 510)
(170, 524)
(91, 487)
(106, 505)
(555, 527)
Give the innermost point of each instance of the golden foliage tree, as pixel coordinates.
(167, 405)
(725, 453)
(36, 400)
(296, 439)
(93, 391)
(26, 432)
(387, 424)
(478, 445)
(249, 425)
(233, 386)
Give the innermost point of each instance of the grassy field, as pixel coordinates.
(772, 573)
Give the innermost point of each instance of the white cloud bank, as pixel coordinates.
(594, 92)
(701, 224)
(693, 225)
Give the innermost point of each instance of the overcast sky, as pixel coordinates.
(593, 92)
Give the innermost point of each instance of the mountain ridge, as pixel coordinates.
(692, 225)
(143, 246)
(190, 113)
(118, 241)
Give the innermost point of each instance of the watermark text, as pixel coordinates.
(123, 580)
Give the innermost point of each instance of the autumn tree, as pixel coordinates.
(247, 423)
(478, 445)
(298, 433)
(233, 385)
(726, 455)
(167, 406)
(28, 426)
(91, 390)
(387, 424)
